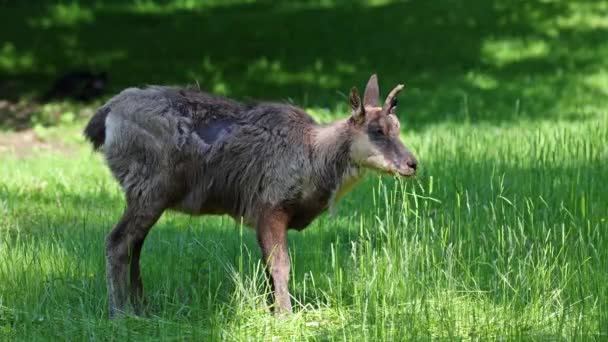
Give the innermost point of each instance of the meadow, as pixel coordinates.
(503, 233)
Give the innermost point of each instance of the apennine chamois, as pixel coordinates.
(267, 164)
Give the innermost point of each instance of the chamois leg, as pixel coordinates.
(136, 285)
(272, 237)
(123, 247)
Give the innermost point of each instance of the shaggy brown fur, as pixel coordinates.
(268, 164)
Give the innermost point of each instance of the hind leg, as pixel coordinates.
(139, 152)
(136, 285)
(123, 248)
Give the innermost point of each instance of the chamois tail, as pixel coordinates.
(95, 131)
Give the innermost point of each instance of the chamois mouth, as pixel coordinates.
(407, 172)
(381, 165)
(397, 172)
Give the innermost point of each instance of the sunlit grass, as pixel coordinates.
(502, 235)
(507, 51)
(11, 59)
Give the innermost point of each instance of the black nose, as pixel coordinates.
(411, 163)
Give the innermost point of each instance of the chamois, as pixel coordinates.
(267, 164)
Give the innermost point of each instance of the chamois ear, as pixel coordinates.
(372, 92)
(357, 111)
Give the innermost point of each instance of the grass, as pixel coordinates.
(502, 235)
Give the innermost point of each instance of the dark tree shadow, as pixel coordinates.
(461, 60)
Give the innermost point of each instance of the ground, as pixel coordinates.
(503, 234)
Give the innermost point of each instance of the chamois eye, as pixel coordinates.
(378, 131)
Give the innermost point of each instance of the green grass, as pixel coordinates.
(503, 234)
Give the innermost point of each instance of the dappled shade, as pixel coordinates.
(461, 60)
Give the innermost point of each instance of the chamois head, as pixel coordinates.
(376, 143)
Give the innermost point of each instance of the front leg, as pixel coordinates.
(272, 237)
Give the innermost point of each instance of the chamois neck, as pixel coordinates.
(331, 153)
(327, 139)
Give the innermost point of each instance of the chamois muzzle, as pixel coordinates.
(407, 167)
